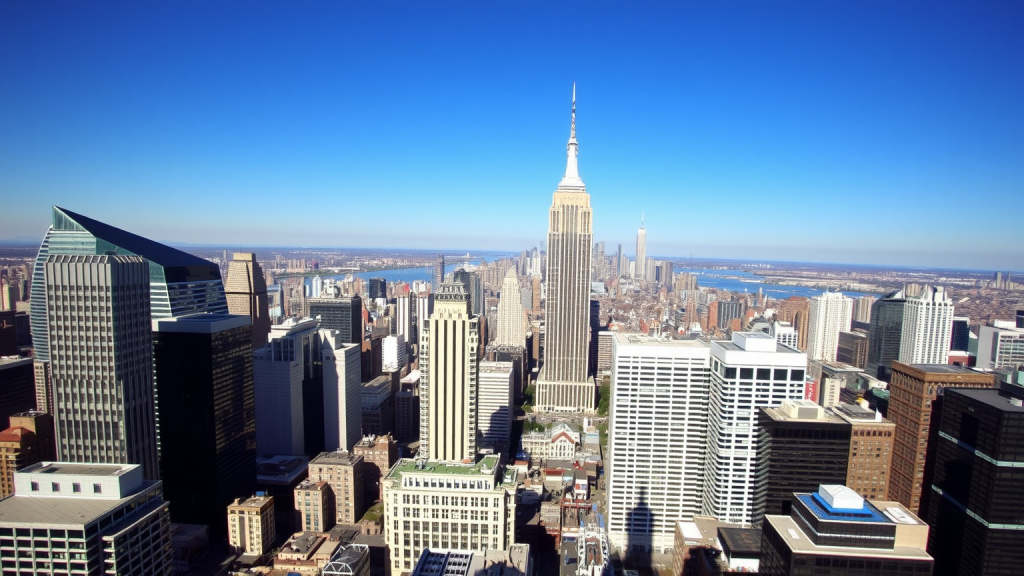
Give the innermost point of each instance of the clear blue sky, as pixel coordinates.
(868, 132)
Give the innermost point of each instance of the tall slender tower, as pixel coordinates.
(830, 314)
(246, 291)
(641, 251)
(562, 385)
(101, 350)
(511, 318)
(448, 370)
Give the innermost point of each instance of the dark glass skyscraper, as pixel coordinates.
(961, 338)
(886, 333)
(342, 314)
(204, 378)
(976, 510)
(378, 288)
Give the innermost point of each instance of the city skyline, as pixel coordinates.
(789, 116)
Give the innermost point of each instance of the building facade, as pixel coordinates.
(641, 251)
(94, 519)
(657, 438)
(449, 366)
(912, 395)
(342, 389)
(103, 401)
(885, 334)
(1000, 346)
(830, 314)
(282, 372)
(246, 291)
(379, 454)
(511, 316)
(344, 473)
(562, 384)
(749, 372)
(871, 447)
(251, 526)
(314, 503)
(431, 504)
(28, 440)
(927, 327)
(494, 406)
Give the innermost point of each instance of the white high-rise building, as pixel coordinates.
(318, 286)
(657, 438)
(343, 399)
(562, 384)
(494, 405)
(511, 317)
(449, 363)
(641, 251)
(403, 317)
(748, 373)
(278, 371)
(927, 327)
(830, 314)
(393, 355)
(784, 333)
(424, 308)
(101, 354)
(1000, 345)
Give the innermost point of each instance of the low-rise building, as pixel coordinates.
(344, 473)
(28, 440)
(306, 553)
(559, 442)
(379, 454)
(67, 518)
(314, 503)
(429, 504)
(251, 527)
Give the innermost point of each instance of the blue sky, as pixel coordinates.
(865, 132)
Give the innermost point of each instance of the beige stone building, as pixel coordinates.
(344, 473)
(314, 503)
(379, 454)
(251, 530)
(246, 292)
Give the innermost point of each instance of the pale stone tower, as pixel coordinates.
(246, 291)
(511, 317)
(562, 385)
(641, 251)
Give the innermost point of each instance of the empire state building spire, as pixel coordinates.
(572, 172)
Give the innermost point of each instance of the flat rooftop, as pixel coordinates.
(993, 397)
(741, 541)
(30, 512)
(824, 511)
(72, 469)
(409, 466)
(797, 541)
(339, 458)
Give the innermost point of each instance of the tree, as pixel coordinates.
(604, 398)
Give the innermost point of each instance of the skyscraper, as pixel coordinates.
(885, 334)
(976, 506)
(449, 370)
(750, 372)
(101, 354)
(180, 283)
(281, 373)
(657, 438)
(342, 389)
(913, 407)
(641, 251)
(344, 314)
(494, 405)
(378, 288)
(246, 292)
(511, 318)
(927, 327)
(438, 273)
(203, 367)
(830, 314)
(562, 384)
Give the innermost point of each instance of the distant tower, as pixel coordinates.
(246, 291)
(885, 333)
(927, 327)
(449, 365)
(830, 314)
(438, 273)
(562, 385)
(103, 394)
(511, 318)
(318, 286)
(641, 251)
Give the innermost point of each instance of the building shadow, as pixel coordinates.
(640, 523)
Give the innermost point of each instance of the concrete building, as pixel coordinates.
(830, 314)
(204, 379)
(657, 438)
(559, 442)
(912, 395)
(785, 334)
(344, 472)
(976, 507)
(341, 313)
(379, 454)
(1000, 345)
(432, 504)
(104, 402)
(314, 504)
(494, 406)
(404, 317)
(795, 310)
(93, 519)
(862, 309)
(393, 356)
(871, 449)
(28, 440)
(246, 291)
(853, 349)
(800, 446)
(378, 406)
(282, 372)
(516, 561)
(835, 531)
(251, 527)
(562, 385)
(511, 316)
(749, 372)
(449, 365)
(342, 390)
(927, 327)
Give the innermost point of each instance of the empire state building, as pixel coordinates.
(562, 385)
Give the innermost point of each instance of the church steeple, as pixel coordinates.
(572, 173)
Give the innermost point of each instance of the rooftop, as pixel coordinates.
(71, 469)
(825, 511)
(484, 466)
(741, 541)
(29, 511)
(797, 541)
(337, 458)
(996, 398)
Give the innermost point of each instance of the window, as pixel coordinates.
(76, 487)
(97, 488)
(55, 486)
(35, 486)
